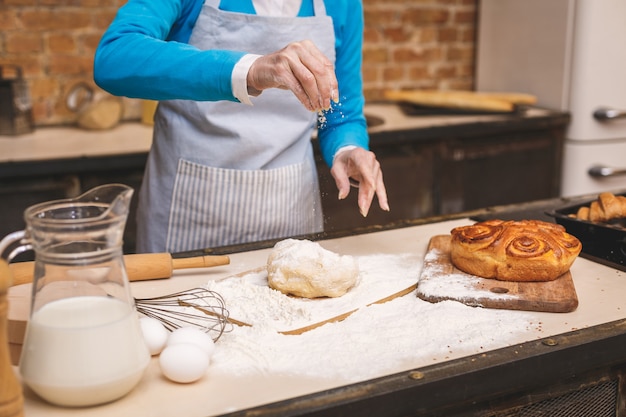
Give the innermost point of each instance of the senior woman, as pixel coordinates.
(242, 85)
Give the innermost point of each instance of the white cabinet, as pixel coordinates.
(571, 54)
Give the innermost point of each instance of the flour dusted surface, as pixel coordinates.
(375, 340)
(249, 298)
(458, 286)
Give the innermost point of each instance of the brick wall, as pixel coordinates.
(427, 44)
(408, 44)
(54, 42)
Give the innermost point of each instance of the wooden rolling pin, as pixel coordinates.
(11, 398)
(471, 100)
(139, 267)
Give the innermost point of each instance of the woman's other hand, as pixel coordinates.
(363, 167)
(300, 67)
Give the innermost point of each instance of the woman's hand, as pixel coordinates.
(300, 67)
(363, 167)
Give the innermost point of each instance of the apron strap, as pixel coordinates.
(319, 7)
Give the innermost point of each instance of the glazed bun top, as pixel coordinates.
(525, 250)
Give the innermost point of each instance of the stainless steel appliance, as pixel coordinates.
(571, 55)
(16, 115)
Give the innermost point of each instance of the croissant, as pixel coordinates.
(526, 250)
(606, 208)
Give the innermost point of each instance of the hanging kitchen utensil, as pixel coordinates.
(16, 114)
(94, 113)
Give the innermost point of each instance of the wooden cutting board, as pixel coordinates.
(471, 100)
(440, 280)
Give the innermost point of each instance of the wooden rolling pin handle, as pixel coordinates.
(22, 272)
(200, 261)
(139, 267)
(11, 397)
(147, 266)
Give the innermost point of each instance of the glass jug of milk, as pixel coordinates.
(83, 344)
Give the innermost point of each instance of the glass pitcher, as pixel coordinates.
(83, 344)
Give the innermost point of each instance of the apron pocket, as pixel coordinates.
(217, 207)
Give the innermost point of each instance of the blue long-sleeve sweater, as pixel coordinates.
(145, 54)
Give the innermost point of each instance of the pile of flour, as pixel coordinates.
(375, 340)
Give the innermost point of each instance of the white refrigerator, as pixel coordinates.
(571, 54)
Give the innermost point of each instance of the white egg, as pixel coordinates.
(154, 334)
(183, 362)
(194, 336)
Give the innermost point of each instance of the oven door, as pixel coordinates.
(593, 166)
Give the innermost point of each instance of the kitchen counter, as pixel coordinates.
(405, 118)
(543, 360)
(51, 143)
(69, 143)
(68, 150)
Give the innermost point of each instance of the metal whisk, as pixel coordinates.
(197, 307)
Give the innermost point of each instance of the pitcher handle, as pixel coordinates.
(11, 239)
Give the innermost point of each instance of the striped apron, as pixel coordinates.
(222, 173)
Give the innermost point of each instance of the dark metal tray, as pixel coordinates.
(604, 243)
(412, 109)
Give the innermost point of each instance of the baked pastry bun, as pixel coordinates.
(526, 250)
(607, 207)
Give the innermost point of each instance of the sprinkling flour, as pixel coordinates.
(375, 340)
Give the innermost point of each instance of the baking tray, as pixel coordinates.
(602, 242)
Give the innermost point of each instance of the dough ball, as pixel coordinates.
(305, 269)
